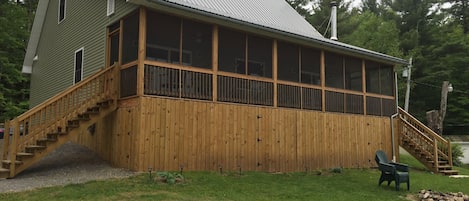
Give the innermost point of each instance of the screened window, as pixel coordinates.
(310, 66)
(163, 36)
(130, 38)
(288, 62)
(259, 56)
(197, 44)
(78, 70)
(61, 14)
(334, 71)
(231, 51)
(353, 74)
(379, 78)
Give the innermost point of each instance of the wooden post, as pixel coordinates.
(141, 51)
(323, 80)
(13, 146)
(215, 63)
(435, 155)
(6, 140)
(275, 70)
(364, 85)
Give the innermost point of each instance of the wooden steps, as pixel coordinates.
(34, 152)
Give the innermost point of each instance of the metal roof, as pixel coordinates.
(276, 14)
(272, 15)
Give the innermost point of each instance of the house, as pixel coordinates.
(203, 85)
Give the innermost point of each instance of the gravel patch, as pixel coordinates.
(69, 164)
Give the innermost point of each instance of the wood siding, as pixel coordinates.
(169, 134)
(84, 26)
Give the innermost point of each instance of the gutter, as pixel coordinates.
(320, 41)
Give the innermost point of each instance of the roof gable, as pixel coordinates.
(267, 13)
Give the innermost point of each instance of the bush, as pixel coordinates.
(457, 153)
(170, 178)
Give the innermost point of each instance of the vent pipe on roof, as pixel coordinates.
(334, 20)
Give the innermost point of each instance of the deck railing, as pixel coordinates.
(54, 114)
(427, 141)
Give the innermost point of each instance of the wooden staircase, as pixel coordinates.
(49, 125)
(429, 148)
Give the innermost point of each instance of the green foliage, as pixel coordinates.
(457, 154)
(14, 31)
(170, 177)
(349, 185)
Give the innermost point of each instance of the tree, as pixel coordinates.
(459, 11)
(14, 31)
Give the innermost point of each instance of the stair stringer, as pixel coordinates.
(62, 139)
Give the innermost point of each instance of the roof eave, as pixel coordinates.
(35, 36)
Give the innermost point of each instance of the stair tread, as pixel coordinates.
(9, 162)
(24, 154)
(36, 146)
(4, 170)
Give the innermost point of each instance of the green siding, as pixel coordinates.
(84, 26)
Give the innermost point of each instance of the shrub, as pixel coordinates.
(457, 154)
(170, 178)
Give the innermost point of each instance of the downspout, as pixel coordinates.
(392, 118)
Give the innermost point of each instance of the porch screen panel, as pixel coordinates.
(334, 70)
(353, 74)
(289, 96)
(196, 85)
(130, 38)
(386, 75)
(163, 36)
(288, 62)
(334, 101)
(196, 44)
(373, 106)
(161, 81)
(231, 51)
(128, 82)
(310, 66)
(388, 107)
(259, 56)
(372, 77)
(312, 99)
(354, 104)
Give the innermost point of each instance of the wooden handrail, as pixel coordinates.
(437, 145)
(53, 114)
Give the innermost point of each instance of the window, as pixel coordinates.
(61, 14)
(110, 7)
(114, 32)
(334, 71)
(310, 66)
(78, 70)
(166, 33)
(379, 78)
(130, 38)
(232, 53)
(353, 74)
(231, 48)
(288, 61)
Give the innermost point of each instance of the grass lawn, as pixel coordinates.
(350, 184)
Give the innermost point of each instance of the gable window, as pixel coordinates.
(78, 70)
(61, 14)
(110, 7)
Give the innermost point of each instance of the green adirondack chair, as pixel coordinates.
(390, 171)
